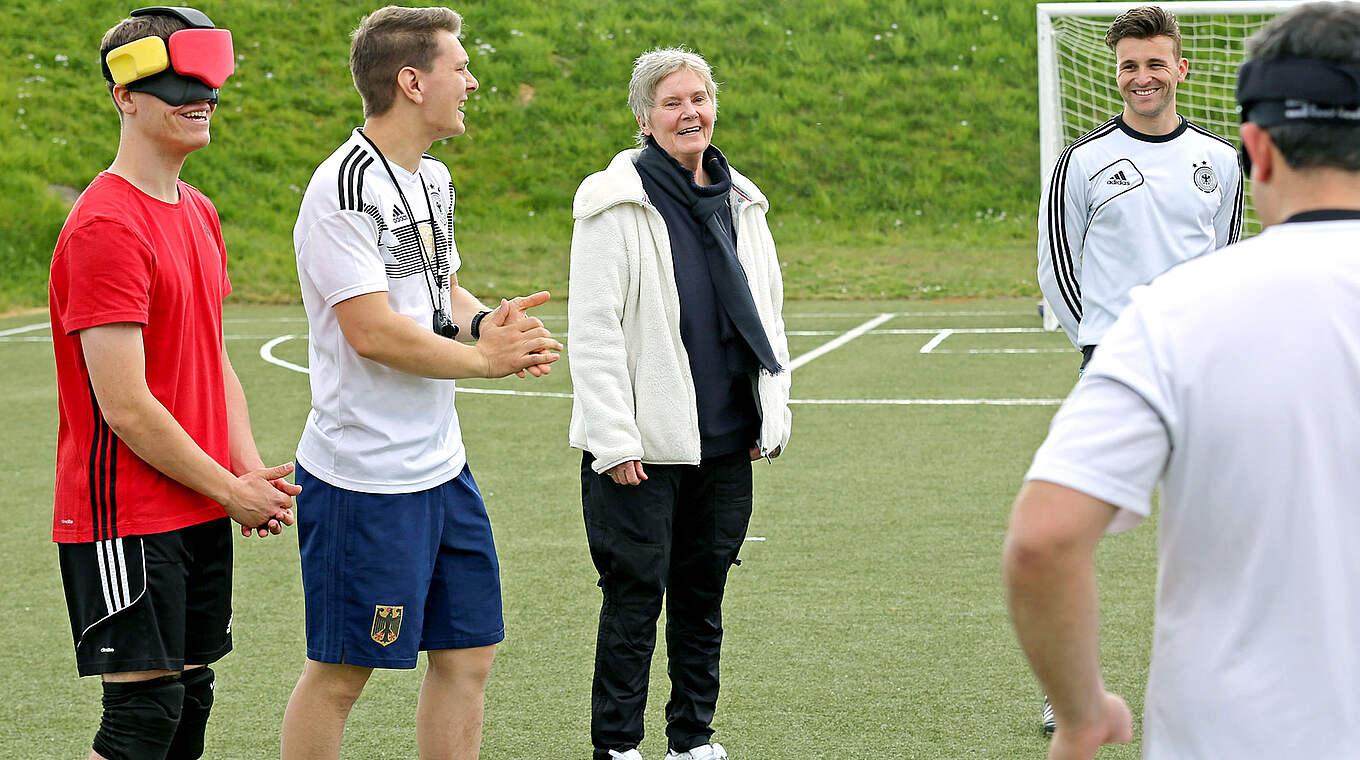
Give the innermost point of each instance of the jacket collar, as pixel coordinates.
(621, 183)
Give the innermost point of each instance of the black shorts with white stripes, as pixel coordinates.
(153, 602)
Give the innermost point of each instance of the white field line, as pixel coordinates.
(927, 401)
(1006, 351)
(754, 538)
(859, 315)
(504, 392)
(924, 331)
(836, 343)
(961, 330)
(25, 328)
(787, 316)
(48, 338)
(13, 338)
(267, 354)
(937, 340)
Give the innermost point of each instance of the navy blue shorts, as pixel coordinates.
(388, 575)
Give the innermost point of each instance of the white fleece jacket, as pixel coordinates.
(629, 369)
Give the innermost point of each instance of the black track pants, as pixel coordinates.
(674, 536)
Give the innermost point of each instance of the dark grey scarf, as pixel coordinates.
(729, 280)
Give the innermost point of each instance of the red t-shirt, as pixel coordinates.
(124, 256)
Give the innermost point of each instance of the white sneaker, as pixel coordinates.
(631, 754)
(706, 752)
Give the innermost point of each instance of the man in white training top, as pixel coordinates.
(1233, 380)
(1137, 195)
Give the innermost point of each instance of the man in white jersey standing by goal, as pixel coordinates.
(1137, 195)
(1250, 419)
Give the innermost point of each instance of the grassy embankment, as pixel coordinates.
(896, 140)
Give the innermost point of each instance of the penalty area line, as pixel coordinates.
(937, 340)
(837, 342)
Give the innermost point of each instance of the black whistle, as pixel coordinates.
(443, 325)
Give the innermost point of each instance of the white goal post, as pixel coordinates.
(1077, 92)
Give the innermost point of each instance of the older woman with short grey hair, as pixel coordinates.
(679, 364)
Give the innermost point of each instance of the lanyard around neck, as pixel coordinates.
(427, 257)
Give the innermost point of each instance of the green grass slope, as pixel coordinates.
(897, 140)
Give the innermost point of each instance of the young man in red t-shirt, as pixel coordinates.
(154, 448)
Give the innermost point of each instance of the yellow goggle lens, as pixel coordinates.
(137, 59)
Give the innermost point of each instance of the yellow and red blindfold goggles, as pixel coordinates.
(190, 66)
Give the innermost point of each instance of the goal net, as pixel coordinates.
(1077, 92)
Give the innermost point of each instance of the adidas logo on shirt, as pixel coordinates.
(1118, 178)
(398, 215)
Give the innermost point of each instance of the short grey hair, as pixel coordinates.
(655, 65)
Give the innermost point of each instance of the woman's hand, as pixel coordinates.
(628, 473)
(755, 452)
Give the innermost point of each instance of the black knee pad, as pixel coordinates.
(193, 719)
(140, 718)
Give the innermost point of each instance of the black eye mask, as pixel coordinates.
(1297, 91)
(191, 65)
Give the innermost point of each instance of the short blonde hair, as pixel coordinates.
(390, 39)
(655, 65)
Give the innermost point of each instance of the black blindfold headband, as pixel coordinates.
(191, 65)
(1297, 91)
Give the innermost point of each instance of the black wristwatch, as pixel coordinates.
(476, 327)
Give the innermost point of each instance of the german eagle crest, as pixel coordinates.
(1205, 179)
(386, 624)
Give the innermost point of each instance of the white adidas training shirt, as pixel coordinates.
(1235, 381)
(1121, 207)
(373, 428)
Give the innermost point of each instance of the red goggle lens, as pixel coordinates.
(204, 54)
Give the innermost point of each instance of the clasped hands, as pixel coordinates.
(261, 500)
(513, 341)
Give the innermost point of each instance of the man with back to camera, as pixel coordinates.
(397, 551)
(1250, 417)
(154, 447)
(1137, 195)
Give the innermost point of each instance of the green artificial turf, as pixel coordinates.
(870, 622)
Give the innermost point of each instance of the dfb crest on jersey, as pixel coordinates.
(1205, 179)
(386, 624)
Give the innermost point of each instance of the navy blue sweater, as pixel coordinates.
(721, 362)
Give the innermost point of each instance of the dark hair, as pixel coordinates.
(135, 28)
(390, 39)
(1320, 31)
(1143, 24)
